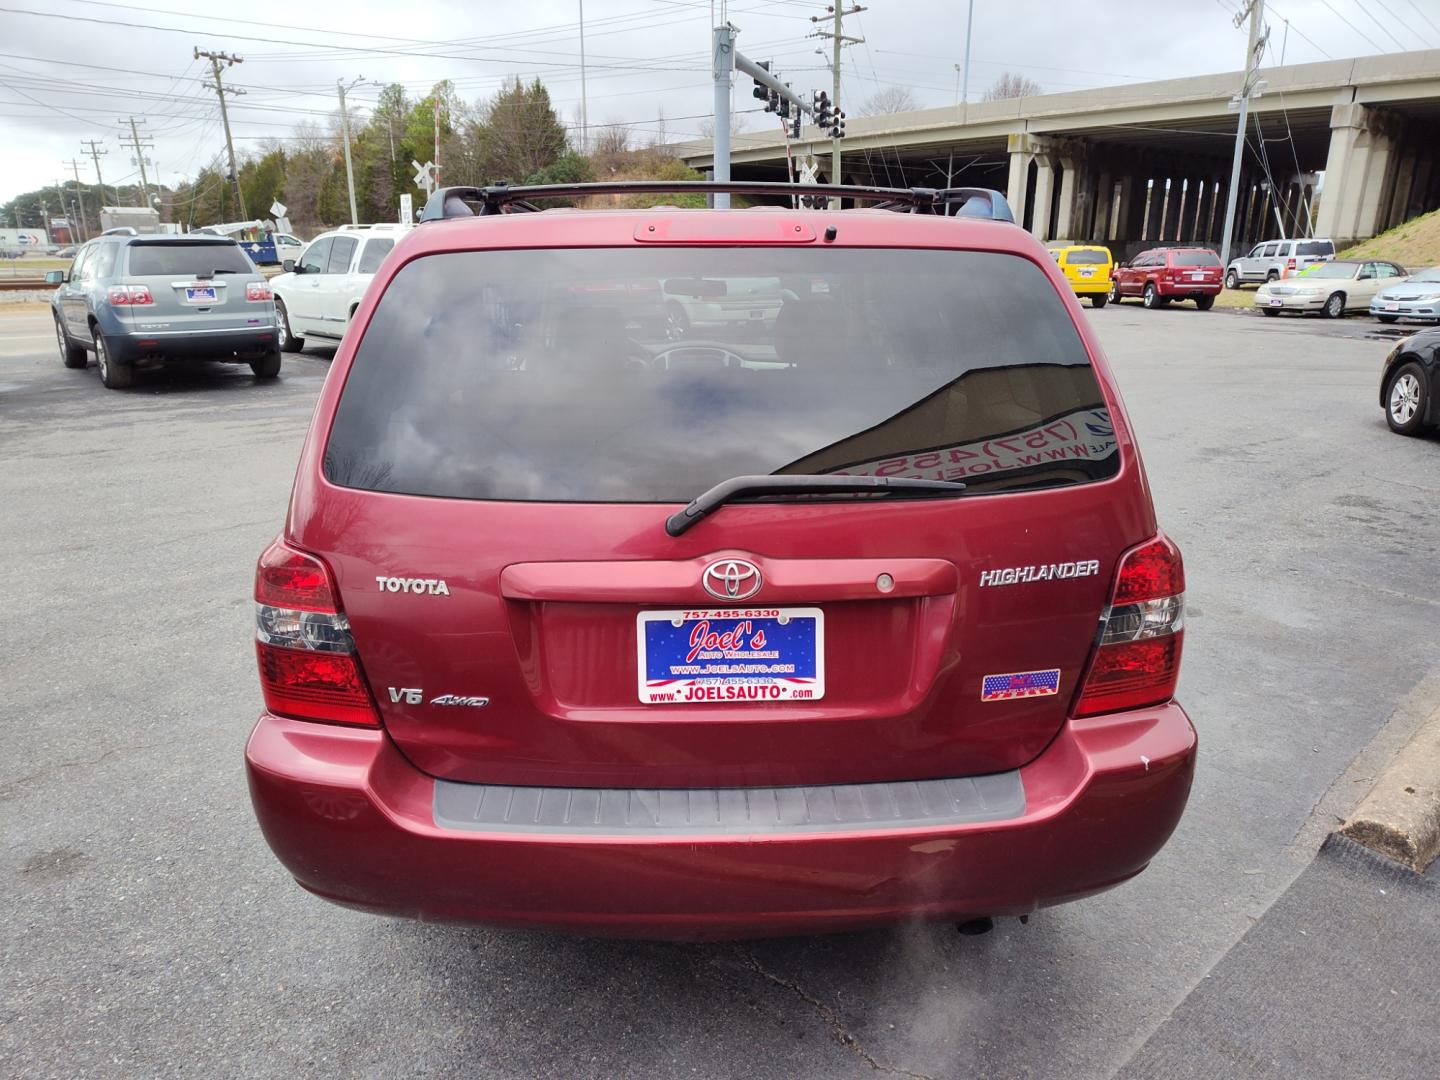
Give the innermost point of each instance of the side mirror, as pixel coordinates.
(56, 277)
(288, 266)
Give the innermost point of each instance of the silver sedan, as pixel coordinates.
(1417, 297)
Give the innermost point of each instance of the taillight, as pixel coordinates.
(308, 666)
(258, 290)
(130, 295)
(1137, 660)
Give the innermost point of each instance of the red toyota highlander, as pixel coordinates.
(852, 612)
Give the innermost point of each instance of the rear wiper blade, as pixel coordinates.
(744, 487)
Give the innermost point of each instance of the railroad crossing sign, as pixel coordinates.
(425, 176)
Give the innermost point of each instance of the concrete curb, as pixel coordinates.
(1400, 817)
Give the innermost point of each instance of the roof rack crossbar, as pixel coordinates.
(455, 202)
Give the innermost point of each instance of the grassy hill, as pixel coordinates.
(1414, 244)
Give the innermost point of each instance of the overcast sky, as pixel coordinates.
(643, 56)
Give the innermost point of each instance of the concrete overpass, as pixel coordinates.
(1149, 162)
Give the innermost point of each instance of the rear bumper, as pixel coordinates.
(132, 345)
(1188, 290)
(354, 822)
(1291, 303)
(1409, 309)
(1091, 288)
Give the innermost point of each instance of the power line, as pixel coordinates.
(1382, 26)
(1352, 26)
(1421, 13)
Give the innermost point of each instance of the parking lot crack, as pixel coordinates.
(838, 1031)
(9, 789)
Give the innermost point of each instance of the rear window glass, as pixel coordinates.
(1195, 258)
(1314, 248)
(188, 258)
(649, 375)
(1083, 257)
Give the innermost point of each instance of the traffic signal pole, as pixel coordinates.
(723, 57)
(726, 59)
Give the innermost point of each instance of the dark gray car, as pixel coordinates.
(139, 301)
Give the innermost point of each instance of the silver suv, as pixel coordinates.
(138, 301)
(1275, 259)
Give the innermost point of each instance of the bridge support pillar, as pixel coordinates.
(1099, 230)
(1359, 173)
(1155, 217)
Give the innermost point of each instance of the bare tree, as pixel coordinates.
(893, 99)
(706, 127)
(1011, 85)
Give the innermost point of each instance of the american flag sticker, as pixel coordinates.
(1020, 684)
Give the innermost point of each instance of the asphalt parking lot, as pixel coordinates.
(145, 928)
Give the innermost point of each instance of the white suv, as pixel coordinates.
(316, 296)
(1276, 259)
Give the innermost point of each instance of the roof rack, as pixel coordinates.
(456, 202)
(376, 226)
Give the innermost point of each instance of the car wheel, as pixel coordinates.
(1115, 296)
(677, 323)
(1152, 298)
(1270, 312)
(287, 341)
(74, 356)
(1273, 275)
(1405, 404)
(268, 366)
(1099, 300)
(1204, 303)
(1387, 318)
(113, 375)
(1334, 306)
(1232, 280)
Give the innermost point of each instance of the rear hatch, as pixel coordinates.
(1194, 267)
(507, 449)
(195, 285)
(1087, 266)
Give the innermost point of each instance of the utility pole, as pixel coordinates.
(436, 171)
(345, 132)
(722, 64)
(838, 39)
(139, 146)
(79, 195)
(969, 21)
(584, 98)
(1256, 12)
(215, 58)
(95, 155)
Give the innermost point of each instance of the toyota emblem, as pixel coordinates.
(731, 579)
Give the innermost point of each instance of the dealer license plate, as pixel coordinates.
(731, 655)
(1392, 307)
(200, 294)
(1277, 303)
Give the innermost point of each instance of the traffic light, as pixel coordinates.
(763, 92)
(823, 114)
(837, 124)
